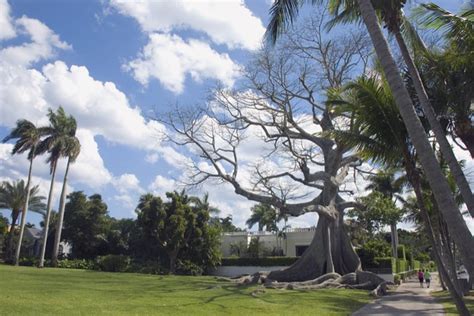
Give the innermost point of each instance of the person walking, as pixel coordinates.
(427, 278)
(421, 277)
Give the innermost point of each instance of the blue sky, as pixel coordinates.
(112, 64)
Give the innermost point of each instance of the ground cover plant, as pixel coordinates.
(449, 307)
(83, 292)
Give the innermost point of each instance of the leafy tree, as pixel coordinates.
(86, 225)
(386, 183)
(376, 212)
(27, 137)
(13, 196)
(121, 236)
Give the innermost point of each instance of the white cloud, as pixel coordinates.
(170, 59)
(97, 106)
(127, 183)
(6, 26)
(161, 185)
(152, 158)
(43, 45)
(227, 22)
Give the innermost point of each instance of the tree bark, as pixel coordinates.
(59, 225)
(11, 234)
(313, 262)
(465, 131)
(441, 261)
(48, 216)
(172, 256)
(23, 215)
(440, 136)
(394, 237)
(439, 185)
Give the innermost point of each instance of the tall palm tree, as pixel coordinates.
(28, 137)
(203, 204)
(379, 134)
(396, 23)
(285, 11)
(72, 148)
(13, 196)
(55, 143)
(386, 183)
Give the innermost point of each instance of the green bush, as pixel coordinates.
(113, 263)
(76, 264)
(375, 248)
(147, 267)
(396, 279)
(28, 261)
(187, 267)
(402, 266)
(401, 252)
(262, 262)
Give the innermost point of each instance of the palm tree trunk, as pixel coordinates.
(444, 145)
(23, 215)
(11, 235)
(394, 233)
(439, 185)
(59, 225)
(48, 216)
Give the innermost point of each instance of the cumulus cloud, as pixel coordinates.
(170, 59)
(7, 29)
(126, 183)
(44, 43)
(161, 185)
(227, 22)
(97, 106)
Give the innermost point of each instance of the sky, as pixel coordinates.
(113, 65)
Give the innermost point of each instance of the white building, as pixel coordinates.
(292, 243)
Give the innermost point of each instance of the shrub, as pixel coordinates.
(28, 261)
(262, 262)
(187, 267)
(113, 263)
(76, 264)
(147, 267)
(397, 279)
(401, 252)
(372, 249)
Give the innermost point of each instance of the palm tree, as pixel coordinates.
(285, 11)
(386, 183)
(379, 134)
(264, 215)
(392, 15)
(72, 148)
(55, 144)
(28, 137)
(13, 196)
(203, 204)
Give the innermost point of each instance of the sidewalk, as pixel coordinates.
(408, 299)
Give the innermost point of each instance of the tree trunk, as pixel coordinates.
(23, 215)
(59, 225)
(439, 185)
(328, 249)
(449, 278)
(313, 262)
(394, 237)
(48, 216)
(11, 235)
(465, 131)
(444, 145)
(172, 256)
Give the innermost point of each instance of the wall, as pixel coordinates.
(234, 271)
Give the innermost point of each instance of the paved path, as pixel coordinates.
(408, 299)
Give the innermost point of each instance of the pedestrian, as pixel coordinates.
(427, 278)
(421, 277)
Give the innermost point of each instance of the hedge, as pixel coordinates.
(401, 252)
(261, 262)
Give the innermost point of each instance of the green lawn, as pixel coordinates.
(449, 307)
(31, 291)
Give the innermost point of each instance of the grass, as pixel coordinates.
(448, 304)
(32, 291)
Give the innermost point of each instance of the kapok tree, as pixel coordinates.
(296, 166)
